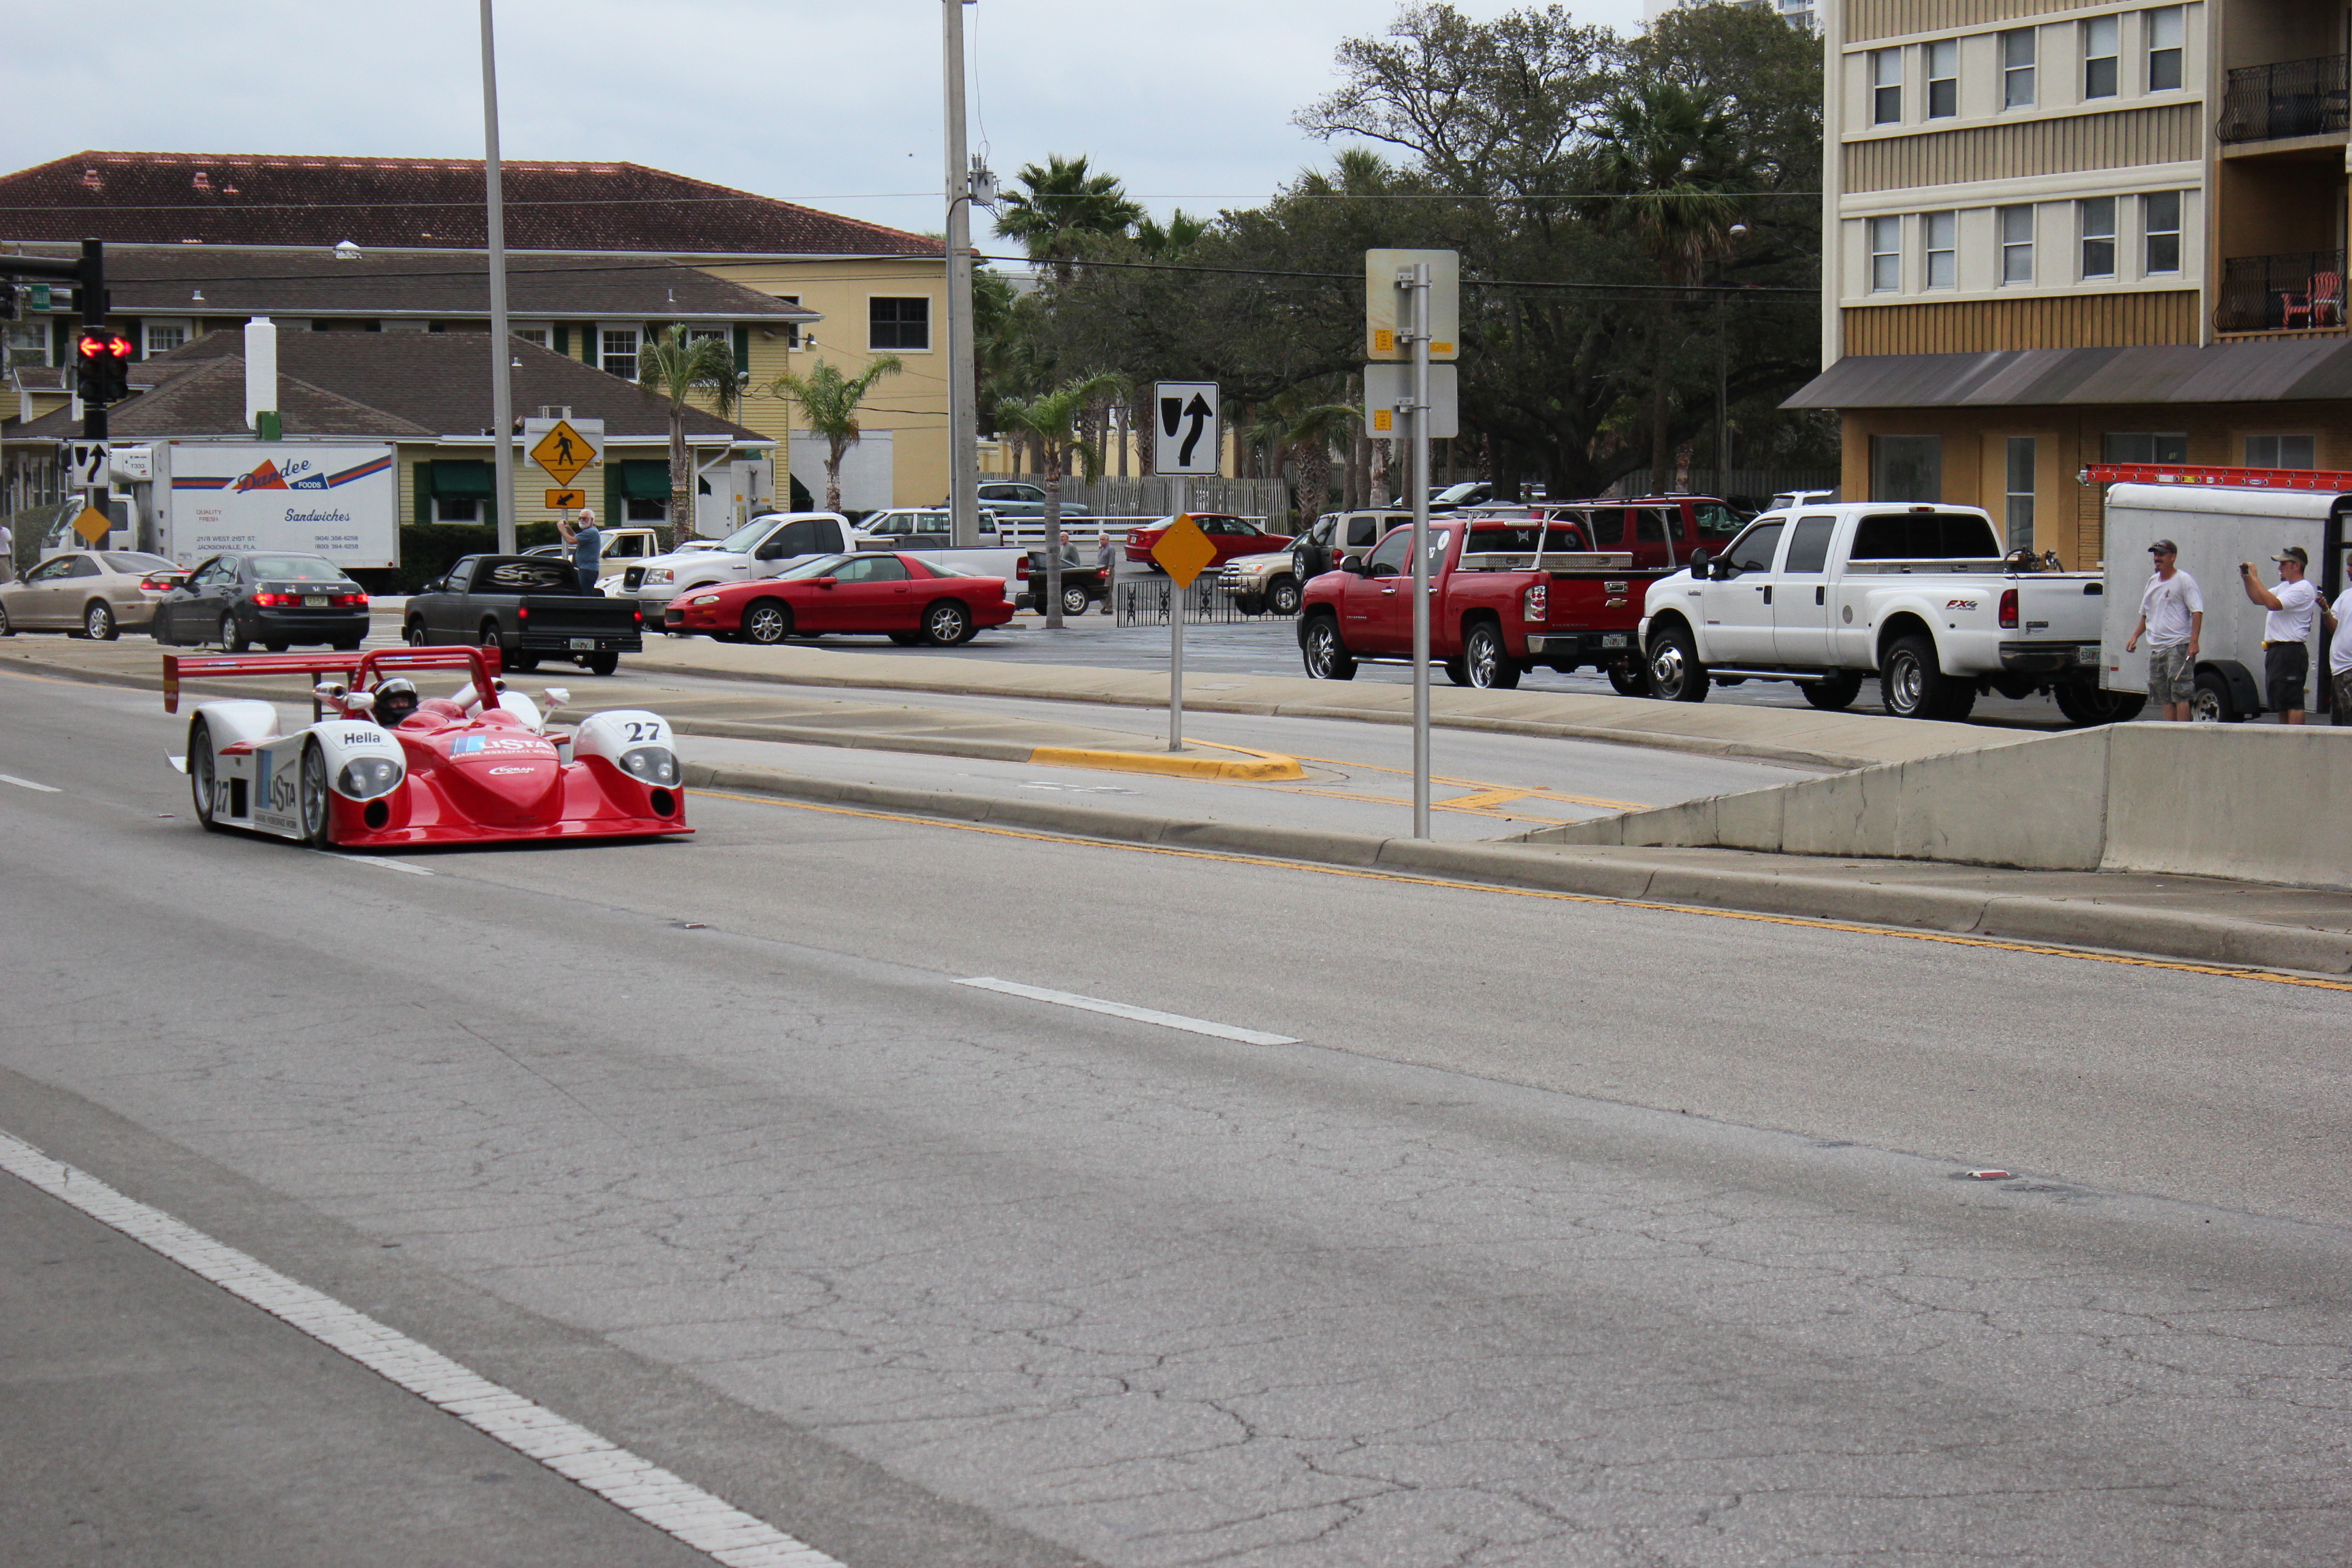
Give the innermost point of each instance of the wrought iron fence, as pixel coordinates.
(2293, 97)
(2294, 291)
(1143, 602)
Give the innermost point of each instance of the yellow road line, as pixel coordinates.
(1262, 767)
(1483, 785)
(1997, 944)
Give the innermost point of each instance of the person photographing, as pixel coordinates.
(2286, 630)
(587, 541)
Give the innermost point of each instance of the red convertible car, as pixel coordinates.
(907, 598)
(1232, 536)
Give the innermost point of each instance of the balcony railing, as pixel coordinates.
(2297, 97)
(2297, 291)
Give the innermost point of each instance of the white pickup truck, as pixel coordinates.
(1825, 595)
(762, 548)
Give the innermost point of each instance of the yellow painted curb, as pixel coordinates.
(1264, 767)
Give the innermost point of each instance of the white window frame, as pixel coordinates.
(29, 341)
(2017, 75)
(544, 330)
(2103, 33)
(2156, 26)
(147, 329)
(1944, 227)
(1941, 65)
(2089, 213)
(1883, 238)
(2150, 234)
(1885, 78)
(605, 352)
(2011, 247)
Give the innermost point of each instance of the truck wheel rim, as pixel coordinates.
(1907, 682)
(1666, 668)
(1285, 598)
(1319, 651)
(1482, 659)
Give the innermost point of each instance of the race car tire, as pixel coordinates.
(603, 663)
(413, 634)
(907, 639)
(201, 769)
(1282, 596)
(1326, 652)
(98, 622)
(1834, 695)
(1074, 600)
(312, 799)
(767, 622)
(231, 639)
(948, 623)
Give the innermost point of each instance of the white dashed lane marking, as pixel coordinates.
(668, 1503)
(27, 783)
(1121, 1010)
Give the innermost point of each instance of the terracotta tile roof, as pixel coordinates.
(148, 282)
(409, 203)
(393, 385)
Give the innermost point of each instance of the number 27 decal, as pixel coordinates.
(641, 730)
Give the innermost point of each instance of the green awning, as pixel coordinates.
(462, 477)
(644, 478)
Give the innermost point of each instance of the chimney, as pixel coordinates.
(261, 378)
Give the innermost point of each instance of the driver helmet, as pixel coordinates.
(395, 700)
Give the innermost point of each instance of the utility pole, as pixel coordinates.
(501, 356)
(964, 418)
(1419, 282)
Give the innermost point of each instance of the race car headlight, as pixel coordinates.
(364, 778)
(704, 599)
(659, 575)
(652, 764)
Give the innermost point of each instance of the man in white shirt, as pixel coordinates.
(2286, 630)
(2339, 661)
(8, 553)
(2172, 614)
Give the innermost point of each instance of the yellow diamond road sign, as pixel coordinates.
(563, 452)
(1184, 551)
(94, 525)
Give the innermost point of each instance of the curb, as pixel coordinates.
(2068, 922)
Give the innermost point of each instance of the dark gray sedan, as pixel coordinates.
(271, 597)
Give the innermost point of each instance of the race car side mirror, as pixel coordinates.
(557, 696)
(361, 701)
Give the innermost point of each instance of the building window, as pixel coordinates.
(2098, 220)
(534, 334)
(2016, 245)
(792, 328)
(898, 325)
(1886, 255)
(619, 352)
(1944, 79)
(2017, 69)
(2163, 37)
(2144, 447)
(647, 508)
(163, 337)
(2101, 56)
(1943, 249)
(2282, 452)
(1885, 87)
(457, 508)
(2017, 515)
(2159, 222)
(1906, 468)
(29, 341)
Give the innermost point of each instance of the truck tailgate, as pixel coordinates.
(576, 615)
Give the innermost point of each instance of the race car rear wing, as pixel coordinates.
(358, 669)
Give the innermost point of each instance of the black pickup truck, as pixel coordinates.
(529, 607)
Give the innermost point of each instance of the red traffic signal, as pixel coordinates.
(105, 359)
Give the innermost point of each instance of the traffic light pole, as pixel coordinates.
(87, 274)
(501, 349)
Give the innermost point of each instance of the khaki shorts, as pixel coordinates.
(2171, 673)
(2340, 709)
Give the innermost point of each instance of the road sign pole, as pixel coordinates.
(963, 416)
(501, 354)
(101, 491)
(1420, 283)
(1176, 634)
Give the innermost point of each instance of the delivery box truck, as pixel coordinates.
(340, 500)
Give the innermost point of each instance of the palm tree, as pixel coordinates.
(1052, 418)
(676, 366)
(829, 401)
(1064, 199)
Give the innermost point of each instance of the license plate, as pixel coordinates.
(2088, 653)
(1612, 640)
(314, 598)
(583, 645)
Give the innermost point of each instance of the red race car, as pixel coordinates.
(907, 598)
(379, 766)
(1232, 536)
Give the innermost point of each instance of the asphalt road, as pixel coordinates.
(1561, 1231)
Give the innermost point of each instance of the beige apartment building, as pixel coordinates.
(2057, 235)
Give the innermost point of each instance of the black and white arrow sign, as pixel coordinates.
(87, 461)
(1186, 437)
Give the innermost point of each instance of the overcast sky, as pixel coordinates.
(834, 104)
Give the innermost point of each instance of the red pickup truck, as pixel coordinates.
(1501, 601)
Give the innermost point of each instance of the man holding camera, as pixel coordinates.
(2286, 630)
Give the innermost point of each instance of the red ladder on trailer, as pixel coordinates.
(2247, 478)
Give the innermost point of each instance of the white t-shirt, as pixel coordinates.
(2290, 622)
(2339, 652)
(2168, 604)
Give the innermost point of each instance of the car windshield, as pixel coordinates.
(747, 538)
(135, 561)
(1460, 493)
(294, 569)
(823, 566)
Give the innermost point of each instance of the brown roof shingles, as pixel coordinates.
(409, 203)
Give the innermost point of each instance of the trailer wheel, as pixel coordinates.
(2213, 703)
(2089, 705)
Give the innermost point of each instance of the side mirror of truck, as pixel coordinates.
(1698, 565)
(1353, 566)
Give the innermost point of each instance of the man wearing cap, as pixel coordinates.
(2172, 614)
(2286, 630)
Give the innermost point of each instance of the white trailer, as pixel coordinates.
(2217, 526)
(340, 500)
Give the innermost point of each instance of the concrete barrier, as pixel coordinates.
(2258, 803)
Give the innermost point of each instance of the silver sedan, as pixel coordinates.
(88, 593)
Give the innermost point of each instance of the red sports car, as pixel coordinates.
(1231, 535)
(907, 598)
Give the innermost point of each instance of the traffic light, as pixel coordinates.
(105, 359)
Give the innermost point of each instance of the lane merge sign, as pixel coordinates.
(1185, 438)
